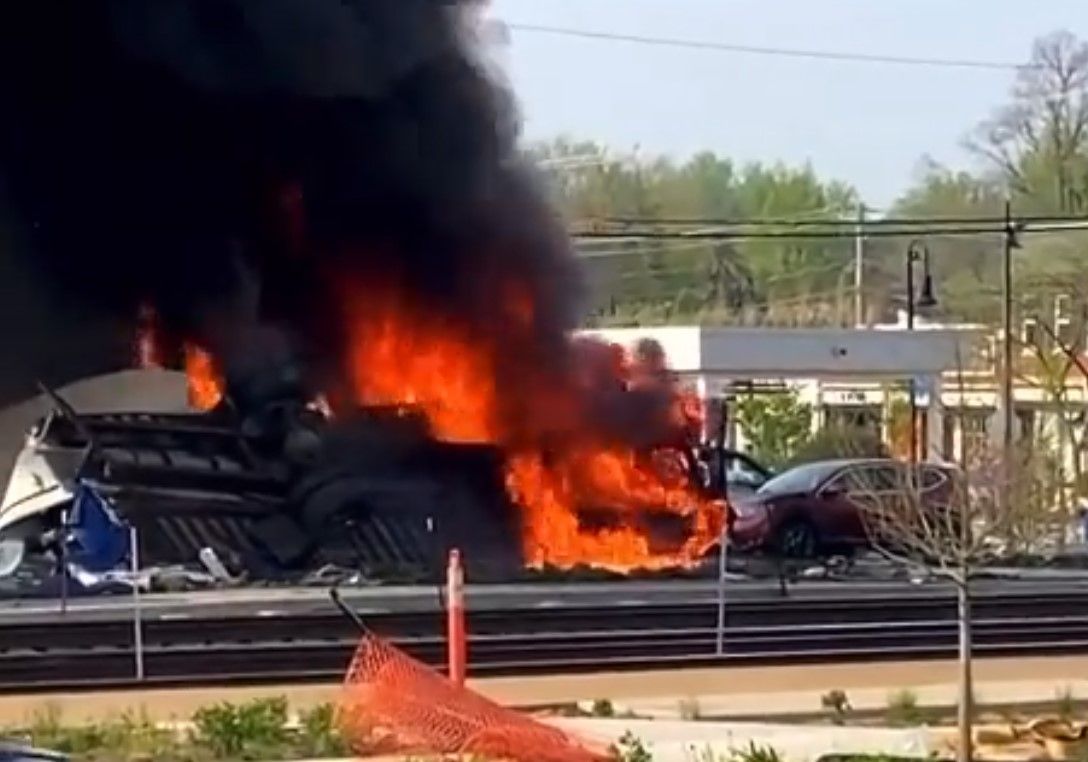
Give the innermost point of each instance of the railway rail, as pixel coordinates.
(55, 655)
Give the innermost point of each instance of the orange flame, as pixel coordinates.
(205, 386)
(397, 362)
(205, 383)
(399, 355)
(550, 496)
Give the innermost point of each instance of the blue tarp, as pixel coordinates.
(98, 540)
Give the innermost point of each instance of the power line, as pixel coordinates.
(1053, 219)
(676, 42)
(821, 234)
(652, 235)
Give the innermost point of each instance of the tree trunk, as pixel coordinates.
(965, 710)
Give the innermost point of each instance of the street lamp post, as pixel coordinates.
(917, 251)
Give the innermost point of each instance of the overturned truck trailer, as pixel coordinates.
(273, 497)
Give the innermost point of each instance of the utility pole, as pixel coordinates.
(911, 391)
(859, 267)
(1006, 344)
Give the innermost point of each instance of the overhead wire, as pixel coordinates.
(802, 221)
(820, 234)
(727, 47)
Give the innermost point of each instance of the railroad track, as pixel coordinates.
(90, 654)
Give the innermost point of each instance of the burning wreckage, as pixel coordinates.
(288, 487)
(318, 210)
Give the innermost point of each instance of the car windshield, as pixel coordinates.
(800, 479)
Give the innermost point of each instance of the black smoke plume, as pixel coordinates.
(233, 162)
(238, 163)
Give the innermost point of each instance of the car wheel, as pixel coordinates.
(796, 539)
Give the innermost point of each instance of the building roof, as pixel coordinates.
(803, 352)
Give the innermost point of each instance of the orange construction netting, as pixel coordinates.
(395, 704)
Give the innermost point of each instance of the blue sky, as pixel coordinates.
(864, 123)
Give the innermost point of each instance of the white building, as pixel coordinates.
(856, 376)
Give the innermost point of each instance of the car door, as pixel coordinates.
(888, 488)
(870, 489)
(742, 476)
(834, 512)
(941, 499)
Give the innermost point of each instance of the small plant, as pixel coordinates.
(837, 705)
(1066, 704)
(128, 736)
(45, 728)
(705, 754)
(603, 708)
(631, 749)
(242, 730)
(319, 735)
(753, 752)
(903, 709)
(137, 736)
(690, 709)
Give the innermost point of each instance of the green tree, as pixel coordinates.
(774, 426)
(706, 281)
(840, 441)
(1034, 147)
(960, 263)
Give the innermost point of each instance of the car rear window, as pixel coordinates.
(797, 480)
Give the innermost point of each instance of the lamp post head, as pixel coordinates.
(917, 250)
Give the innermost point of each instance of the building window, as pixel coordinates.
(1063, 319)
(974, 432)
(1025, 425)
(948, 436)
(1062, 307)
(862, 417)
(1029, 332)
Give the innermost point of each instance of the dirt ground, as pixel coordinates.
(774, 684)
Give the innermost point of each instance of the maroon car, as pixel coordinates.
(813, 510)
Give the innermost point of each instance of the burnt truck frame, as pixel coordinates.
(378, 494)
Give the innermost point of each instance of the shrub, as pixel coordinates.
(903, 709)
(841, 442)
(242, 730)
(1066, 704)
(603, 708)
(319, 734)
(753, 752)
(631, 749)
(128, 736)
(837, 705)
(690, 709)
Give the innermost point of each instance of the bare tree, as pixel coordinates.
(1041, 136)
(951, 521)
(1054, 364)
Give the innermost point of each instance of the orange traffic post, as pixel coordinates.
(455, 618)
